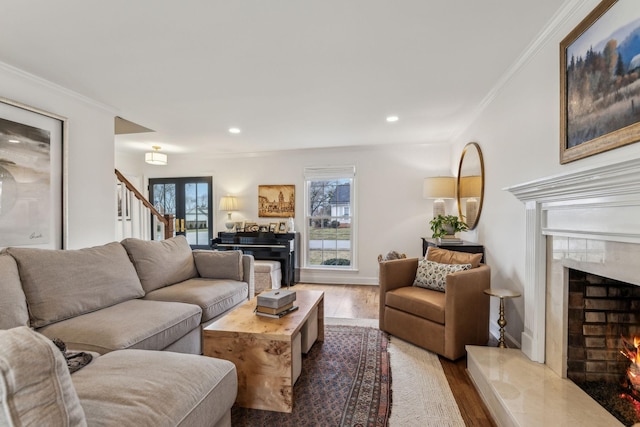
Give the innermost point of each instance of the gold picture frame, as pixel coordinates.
(600, 105)
(276, 201)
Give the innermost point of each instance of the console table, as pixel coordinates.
(463, 246)
(281, 247)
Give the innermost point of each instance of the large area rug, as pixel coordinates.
(345, 381)
(339, 385)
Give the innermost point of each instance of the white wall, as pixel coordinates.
(519, 134)
(392, 215)
(90, 178)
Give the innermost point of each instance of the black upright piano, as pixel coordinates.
(264, 246)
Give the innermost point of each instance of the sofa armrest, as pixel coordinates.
(249, 276)
(466, 310)
(395, 274)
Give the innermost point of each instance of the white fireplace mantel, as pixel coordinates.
(599, 203)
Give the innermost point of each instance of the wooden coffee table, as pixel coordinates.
(261, 348)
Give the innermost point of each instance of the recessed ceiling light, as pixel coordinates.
(234, 130)
(14, 141)
(392, 119)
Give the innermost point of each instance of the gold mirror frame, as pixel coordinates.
(470, 184)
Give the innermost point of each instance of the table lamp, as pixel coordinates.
(439, 188)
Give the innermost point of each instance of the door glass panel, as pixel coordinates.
(197, 213)
(164, 198)
(187, 199)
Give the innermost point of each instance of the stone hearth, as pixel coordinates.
(585, 220)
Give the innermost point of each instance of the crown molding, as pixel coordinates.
(56, 88)
(557, 21)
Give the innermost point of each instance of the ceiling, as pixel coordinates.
(290, 74)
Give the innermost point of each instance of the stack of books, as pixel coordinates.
(449, 240)
(276, 303)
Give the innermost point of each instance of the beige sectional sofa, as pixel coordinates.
(126, 301)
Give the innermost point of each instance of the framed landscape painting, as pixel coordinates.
(600, 81)
(31, 176)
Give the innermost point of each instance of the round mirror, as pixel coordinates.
(470, 188)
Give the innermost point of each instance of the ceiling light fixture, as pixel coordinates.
(234, 130)
(155, 157)
(392, 119)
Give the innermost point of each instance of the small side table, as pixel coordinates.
(502, 322)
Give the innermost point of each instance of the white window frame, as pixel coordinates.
(322, 173)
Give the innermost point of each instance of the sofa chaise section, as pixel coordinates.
(172, 390)
(123, 388)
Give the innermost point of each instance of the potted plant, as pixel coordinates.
(446, 225)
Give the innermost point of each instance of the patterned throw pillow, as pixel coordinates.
(433, 275)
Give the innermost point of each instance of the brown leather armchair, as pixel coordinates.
(442, 322)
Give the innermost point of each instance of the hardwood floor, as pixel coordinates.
(361, 302)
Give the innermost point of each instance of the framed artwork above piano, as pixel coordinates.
(281, 247)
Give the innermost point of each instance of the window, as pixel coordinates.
(330, 217)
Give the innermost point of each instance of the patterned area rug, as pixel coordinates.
(345, 381)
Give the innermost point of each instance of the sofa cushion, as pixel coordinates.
(444, 256)
(161, 263)
(219, 264)
(13, 304)
(213, 296)
(420, 302)
(433, 275)
(141, 324)
(61, 284)
(35, 384)
(150, 388)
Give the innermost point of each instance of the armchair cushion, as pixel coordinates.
(445, 256)
(420, 302)
(219, 264)
(433, 275)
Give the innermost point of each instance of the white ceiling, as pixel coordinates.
(291, 74)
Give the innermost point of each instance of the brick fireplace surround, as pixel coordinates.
(585, 220)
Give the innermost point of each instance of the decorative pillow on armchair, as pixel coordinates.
(433, 275)
(444, 256)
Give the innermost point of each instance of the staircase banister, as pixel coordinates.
(140, 197)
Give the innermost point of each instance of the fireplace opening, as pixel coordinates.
(603, 336)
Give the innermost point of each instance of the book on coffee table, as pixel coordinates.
(270, 310)
(276, 299)
(279, 315)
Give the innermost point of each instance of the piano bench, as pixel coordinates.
(268, 275)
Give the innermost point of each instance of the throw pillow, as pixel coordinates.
(433, 275)
(161, 263)
(444, 256)
(219, 264)
(36, 384)
(63, 283)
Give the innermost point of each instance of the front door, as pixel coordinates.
(189, 201)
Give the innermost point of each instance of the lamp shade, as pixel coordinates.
(155, 157)
(228, 203)
(470, 186)
(439, 187)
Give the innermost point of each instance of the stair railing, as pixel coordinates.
(162, 224)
